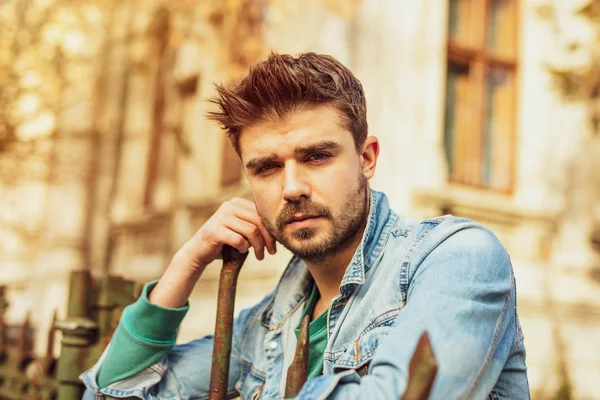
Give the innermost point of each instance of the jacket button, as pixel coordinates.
(273, 345)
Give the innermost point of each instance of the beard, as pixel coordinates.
(316, 244)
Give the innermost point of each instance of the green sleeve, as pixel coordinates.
(145, 334)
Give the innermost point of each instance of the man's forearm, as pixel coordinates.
(175, 286)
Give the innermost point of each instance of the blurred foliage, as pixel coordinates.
(36, 39)
(580, 83)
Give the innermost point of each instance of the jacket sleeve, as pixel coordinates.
(461, 291)
(142, 360)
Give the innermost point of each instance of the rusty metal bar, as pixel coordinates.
(421, 371)
(3, 307)
(78, 334)
(297, 372)
(24, 344)
(219, 373)
(48, 359)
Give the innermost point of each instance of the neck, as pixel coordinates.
(329, 272)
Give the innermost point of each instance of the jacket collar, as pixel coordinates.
(296, 280)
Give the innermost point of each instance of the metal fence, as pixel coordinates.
(93, 313)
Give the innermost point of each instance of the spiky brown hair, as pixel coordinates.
(283, 84)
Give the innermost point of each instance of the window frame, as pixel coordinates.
(473, 52)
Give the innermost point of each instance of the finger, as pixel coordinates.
(235, 240)
(252, 217)
(250, 232)
(270, 241)
(247, 211)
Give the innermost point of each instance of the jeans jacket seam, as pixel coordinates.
(389, 228)
(405, 268)
(493, 345)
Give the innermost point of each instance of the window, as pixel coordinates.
(481, 93)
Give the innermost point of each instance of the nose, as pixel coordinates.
(294, 185)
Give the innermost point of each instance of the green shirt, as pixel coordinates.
(318, 334)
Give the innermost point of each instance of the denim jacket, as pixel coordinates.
(447, 276)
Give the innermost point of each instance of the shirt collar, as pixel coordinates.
(371, 244)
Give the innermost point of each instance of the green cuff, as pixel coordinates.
(151, 322)
(144, 336)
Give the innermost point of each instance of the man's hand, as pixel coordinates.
(236, 223)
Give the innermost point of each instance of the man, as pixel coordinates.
(371, 281)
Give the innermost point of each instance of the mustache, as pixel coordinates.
(300, 207)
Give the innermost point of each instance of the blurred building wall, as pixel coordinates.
(157, 184)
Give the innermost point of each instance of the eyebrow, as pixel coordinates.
(320, 146)
(255, 162)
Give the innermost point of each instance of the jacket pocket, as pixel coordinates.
(359, 353)
(251, 381)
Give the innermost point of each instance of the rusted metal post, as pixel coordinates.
(24, 344)
(421, 371)
(298, 370)
(3, 307)
(78, 333)
(48, 361)
(219, 373)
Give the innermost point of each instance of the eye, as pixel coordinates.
(318, 157)
(265, 168)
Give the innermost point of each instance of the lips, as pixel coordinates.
(297, 218)
(303, 221)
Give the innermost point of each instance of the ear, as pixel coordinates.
(368, 156)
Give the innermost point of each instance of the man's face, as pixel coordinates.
(308, 184)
